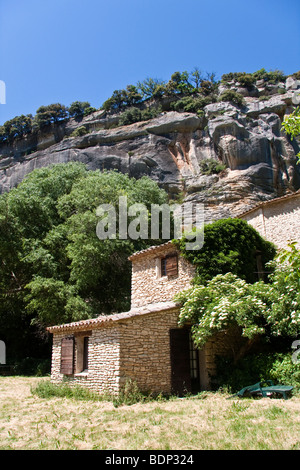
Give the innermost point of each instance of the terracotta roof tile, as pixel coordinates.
(103, 320)
(270, 201)
(157, 248)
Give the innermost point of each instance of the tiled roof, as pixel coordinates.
(103, 320)
(270, 201)
(155, 248)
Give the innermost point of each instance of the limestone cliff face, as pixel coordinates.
(259, 160)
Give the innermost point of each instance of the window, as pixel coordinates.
(74, 353)
(82, 351)
(169, 266)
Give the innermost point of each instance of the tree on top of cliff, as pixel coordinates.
(52, 113)
(78, 109)
(121, 99)
(149, 87)
(16, 128)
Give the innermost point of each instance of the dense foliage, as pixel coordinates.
(227, 295)
(253, 368)
(183, 92)
(248, 79)
(230, 245)
(291, 125)
(54, 268)
(268, 310)
(20, 126)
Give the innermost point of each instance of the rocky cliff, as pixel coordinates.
(259, 160)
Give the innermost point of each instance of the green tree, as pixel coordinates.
(149, 87)
(46, 115)
(196, 77)
(116, 102)
(179, 84)
(53, 265)
(16, 128)
(121, 99)
(132, 95)
(77, 108)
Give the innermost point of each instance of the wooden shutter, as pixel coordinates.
(67, 356)
(180, 361)
(172, 265)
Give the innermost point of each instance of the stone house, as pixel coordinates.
(144, 344)
(277, 220)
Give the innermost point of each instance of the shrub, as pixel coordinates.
(150, 113)
(285, 371)
(79, 132)
(233, 97)
(130, 116)
(190, 104)
(296, 75)
(134, 114)
(211, 166)
(246, 80)
(130, 395)
(89, 111)
(277, 367)
(272, 77)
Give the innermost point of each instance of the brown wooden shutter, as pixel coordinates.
(180, 361)
(67, 356)
(172, 265)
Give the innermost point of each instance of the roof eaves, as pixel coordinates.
(151, 249)
(104, 320)
(270, 201)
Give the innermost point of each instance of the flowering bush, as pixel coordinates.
(259, 309)
(225, 301)
(285, 311)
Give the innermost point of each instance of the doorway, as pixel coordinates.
(185, 375)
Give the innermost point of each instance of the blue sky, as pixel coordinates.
(66, 50)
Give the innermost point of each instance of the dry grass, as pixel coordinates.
(211, 422)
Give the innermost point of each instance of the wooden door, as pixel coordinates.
(180, 361)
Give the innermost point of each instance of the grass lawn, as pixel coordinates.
(205, 422)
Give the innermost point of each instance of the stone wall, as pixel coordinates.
(149, 286)
(104, 361)
(136, 348)
(278, 221)
(145, 351)
(226, 343)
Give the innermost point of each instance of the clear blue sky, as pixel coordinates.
(66, 50)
